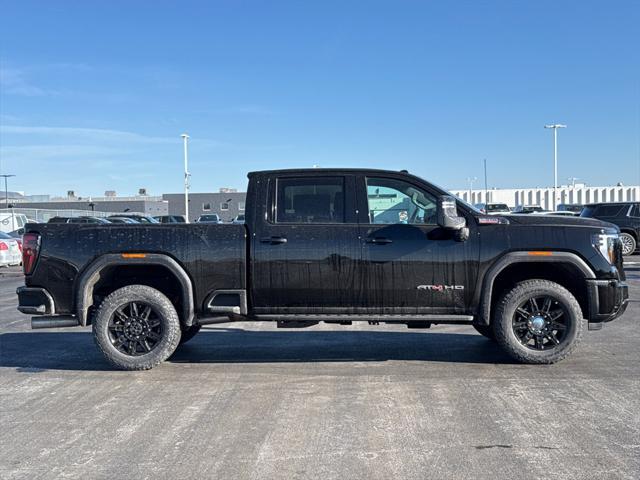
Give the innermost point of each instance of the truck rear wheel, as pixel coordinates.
(538, 321)
(136, 327)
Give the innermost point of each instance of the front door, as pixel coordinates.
(410, 264)
(306, 252)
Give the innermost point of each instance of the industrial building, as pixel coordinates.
(573, 194)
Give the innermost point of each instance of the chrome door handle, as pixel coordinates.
(379, 240)
(273, 240)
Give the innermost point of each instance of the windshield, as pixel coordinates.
(5, 236)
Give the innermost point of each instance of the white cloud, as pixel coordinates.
(96, 134)
(13, 82)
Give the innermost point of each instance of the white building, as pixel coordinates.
(578, 193)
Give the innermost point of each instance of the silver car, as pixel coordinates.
(10, 250)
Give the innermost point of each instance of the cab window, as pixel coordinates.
(310, 200)
(392, 201)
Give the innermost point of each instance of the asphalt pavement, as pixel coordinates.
(328, 402)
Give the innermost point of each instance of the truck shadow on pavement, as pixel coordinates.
(36, 351)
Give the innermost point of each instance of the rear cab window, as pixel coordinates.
(308, 200)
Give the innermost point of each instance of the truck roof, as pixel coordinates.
(325, 170)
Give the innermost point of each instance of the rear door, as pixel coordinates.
(411, 265)
(305, 249)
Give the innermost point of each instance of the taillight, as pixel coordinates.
(30, 250)
(4, 246)
(20, 245)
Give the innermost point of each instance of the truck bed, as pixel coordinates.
(214, 256)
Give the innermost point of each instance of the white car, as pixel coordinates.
(493, 208)
(10, 250)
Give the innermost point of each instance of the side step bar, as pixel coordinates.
(432, 318)
(54, 321)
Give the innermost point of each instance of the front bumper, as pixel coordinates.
(608, 299)
(35, 301)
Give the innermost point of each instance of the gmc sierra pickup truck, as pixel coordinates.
(335, 246)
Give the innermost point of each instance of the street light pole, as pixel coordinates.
(555, 128)
(6, 191)
(486, 188)
(185, 139)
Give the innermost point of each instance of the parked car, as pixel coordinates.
(170, 218)
(17, 233)
(238, 220)
(493, 208)
(11, 221)
(209, 218)
(528, 209)
(137, 218)
(626, 215)
(558, 213)
(10, 250)
(332, 245)
(122, 220)
(570, 207)
(81, 219)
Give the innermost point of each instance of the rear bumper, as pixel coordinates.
(10, 257)
(35, 301)
(608, 299)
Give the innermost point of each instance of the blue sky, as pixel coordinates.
(94, 95)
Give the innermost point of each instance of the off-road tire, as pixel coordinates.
(504, 317)
(629, 243)
(189, 332)
(165, 312)
(486, 331)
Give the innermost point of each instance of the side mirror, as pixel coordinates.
(448, 214)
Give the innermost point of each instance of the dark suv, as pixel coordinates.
(625, 215)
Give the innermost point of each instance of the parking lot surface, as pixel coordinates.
(250, 401)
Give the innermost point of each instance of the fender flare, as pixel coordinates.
(90, 276)
(524, 257)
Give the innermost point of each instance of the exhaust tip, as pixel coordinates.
(53, 322)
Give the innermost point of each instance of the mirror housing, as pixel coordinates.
(448, 214)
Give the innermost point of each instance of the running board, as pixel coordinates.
(431, 318)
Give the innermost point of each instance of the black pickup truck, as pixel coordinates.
(335, 246)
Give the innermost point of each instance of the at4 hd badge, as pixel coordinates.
(440, 288)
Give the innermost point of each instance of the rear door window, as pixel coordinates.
(310, 200)
(608, 210)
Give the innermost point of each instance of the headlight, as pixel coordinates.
(605, 243)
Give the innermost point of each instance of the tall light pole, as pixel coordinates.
(185, 139)
(555, 128)
(486, 188)
(6, 191)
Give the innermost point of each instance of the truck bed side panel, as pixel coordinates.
(214, 256)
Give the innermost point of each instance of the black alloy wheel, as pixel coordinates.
(539, 323)
(135, 328)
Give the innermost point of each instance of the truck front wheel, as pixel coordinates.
(136, 327)
(538, 321)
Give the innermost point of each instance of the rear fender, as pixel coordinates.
(91, 275)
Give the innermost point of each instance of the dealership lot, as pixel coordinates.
(251, 401)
